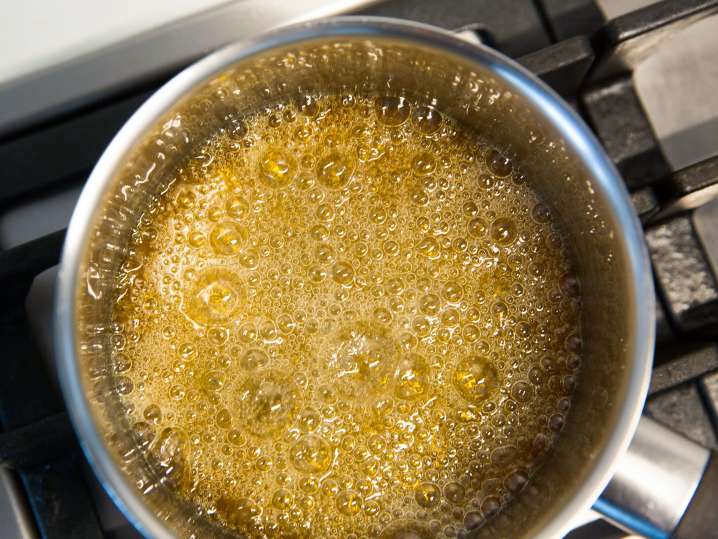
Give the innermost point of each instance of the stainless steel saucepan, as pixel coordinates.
(647, 486)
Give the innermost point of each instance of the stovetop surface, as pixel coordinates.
(636, 110)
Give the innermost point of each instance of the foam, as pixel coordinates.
(350, 318)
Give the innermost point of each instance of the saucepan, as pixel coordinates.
(662, 484)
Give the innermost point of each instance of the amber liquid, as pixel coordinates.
(348, 318)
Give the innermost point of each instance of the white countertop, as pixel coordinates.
(37, 34)
(58, 54)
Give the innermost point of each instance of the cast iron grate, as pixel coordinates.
(568, 44)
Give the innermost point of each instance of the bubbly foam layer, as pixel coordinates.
(349, 317)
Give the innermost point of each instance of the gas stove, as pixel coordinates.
(650, 100)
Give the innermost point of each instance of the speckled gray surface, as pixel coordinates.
(682, 271)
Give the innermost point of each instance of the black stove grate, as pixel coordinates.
(569, 45)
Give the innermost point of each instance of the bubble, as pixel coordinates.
(372, 508)
(477, 228)
(421, 326)
(430, 304)
(263, 464)
(217, 335)
(325, 213)
(237, 207)
(309, 420)
(392, 111)
(317, 274)
(143, 434)
(454, 492)
(395, 285)
(427, 495)
(471, 333)
(185, 199)
(382, 315)
(309, 106)
(537, 377)
(343, 273)
(490, 506)
(277, 168)
(452, 292)
(240, 513)
(427, 119)
(286, 324)
(247, 332)
(549, 365)
(429, 184)
(177, 392)
(171, 446)
(124, 385)
(121, 363)
(503, 231)
(487, 182)
(311, 454)
(268, 331)
(498, 164)
(335, 169)
(474, 378)
(516, 481)
(319, 233)
(215, 297)
(349, 502)
(573, 343)
(419, 197)
(570, 286)
(541, 213)
(153, 413)
(329, 487)
(235, 437)
(309, 485)
(500, 309)
(236, 126)
(424, 163)
(450, 317)
(254, 358)
(523, 330)
(215, 214)
(412, 377)
(473, 520)
(223, 419)
(213, 381)
(249, 259)
(536, 269)
(196, 238)
(282, 499)
(303, 132)
(364, 353)
(556, 422)
(429, 248)
(377, 215)
(275, 120)
(267, 402)
(324, 253)
(460, 244)
(391, 248)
